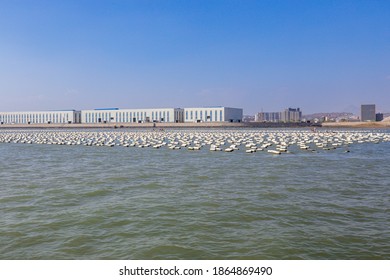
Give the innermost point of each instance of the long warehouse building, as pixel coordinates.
(116, 115)
(213, 114)
(40, 117)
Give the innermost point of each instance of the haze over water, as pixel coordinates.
(81, 202)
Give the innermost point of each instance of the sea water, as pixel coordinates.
(81, 202)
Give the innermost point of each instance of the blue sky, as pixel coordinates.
(321, 56)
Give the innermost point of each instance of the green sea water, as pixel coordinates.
(81, 202)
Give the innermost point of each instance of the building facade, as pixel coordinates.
(379, 117)
(213, 114)
(115, 115)
(268, 117)
(40, 117)
(248, 118)
(288, 115)
(368, 113)
(291, 115)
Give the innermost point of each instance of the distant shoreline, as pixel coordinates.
(153, 125)
(381, 124)
(197, 125)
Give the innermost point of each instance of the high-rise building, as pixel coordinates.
(267, 117)
(288, 115)
(368, 113)
(291, 115)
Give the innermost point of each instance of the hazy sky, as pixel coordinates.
(321, 56)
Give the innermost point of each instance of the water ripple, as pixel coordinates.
(76, 202)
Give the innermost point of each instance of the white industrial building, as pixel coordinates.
(115, 115)
(165, 115)
(40, 117)
(213, 114)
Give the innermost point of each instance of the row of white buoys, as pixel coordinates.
(273, 141)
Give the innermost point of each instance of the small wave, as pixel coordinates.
(172, 252)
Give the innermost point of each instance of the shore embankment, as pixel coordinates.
(119, 125)
(152, 125)
(382, 124)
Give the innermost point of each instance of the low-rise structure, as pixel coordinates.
(379, 117)
(248, 118)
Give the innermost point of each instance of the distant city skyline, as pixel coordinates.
(320, 56)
